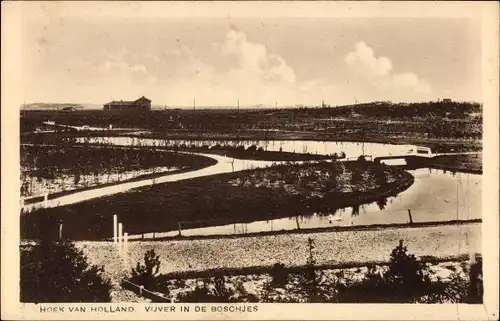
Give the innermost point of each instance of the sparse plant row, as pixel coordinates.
(56, 169)
(67, 183)
(49, 161)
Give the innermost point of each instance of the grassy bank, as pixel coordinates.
(247, 196)
(371, 227)
(258, 154)
(458, 163)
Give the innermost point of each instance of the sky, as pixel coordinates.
(268, 60)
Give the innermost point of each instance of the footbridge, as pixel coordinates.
(418, 152)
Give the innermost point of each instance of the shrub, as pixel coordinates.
(279, 275)
(59, 272)
(404, 282)
(252, 149)
(145, 274)
(475, 289)
(216, 291)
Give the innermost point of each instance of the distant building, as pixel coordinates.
(140, 104)
(446, 100)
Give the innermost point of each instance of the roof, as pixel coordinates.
(126, 103)
(120, 103)
(143, 98)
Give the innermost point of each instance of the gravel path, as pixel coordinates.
(291, 249)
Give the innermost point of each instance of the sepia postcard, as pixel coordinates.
(250, 160)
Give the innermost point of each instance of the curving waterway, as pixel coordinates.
(436, 195)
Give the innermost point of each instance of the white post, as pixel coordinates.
(120, 235)
(115, 223)
(125, 250)
(125, 243)
(45, 199)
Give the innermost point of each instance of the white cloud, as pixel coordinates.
(366, 62)
(378, 72)
(255, 61)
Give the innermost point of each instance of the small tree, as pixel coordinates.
(145, 274)
(405, 271)
(59, 272)
(310, 276)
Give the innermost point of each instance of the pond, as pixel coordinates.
(436, 195)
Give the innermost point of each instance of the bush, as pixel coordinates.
(216, 291)
(59, 272)
(475, 290)
(252, 149)
(279, 275)
(405, 282)
(145, 274)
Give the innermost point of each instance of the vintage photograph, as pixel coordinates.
(249, 159)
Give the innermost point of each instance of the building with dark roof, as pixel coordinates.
(141, 104)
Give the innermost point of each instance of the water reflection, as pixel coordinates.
(434, 196)
(351, 149)
(382, 203)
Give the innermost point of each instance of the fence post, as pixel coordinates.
(115, 223)
(60, 231)
(120, 231)
(125, 250)
(409, 214)
(179, 224)
(125, 243)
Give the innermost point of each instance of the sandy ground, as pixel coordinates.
(290, 249)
